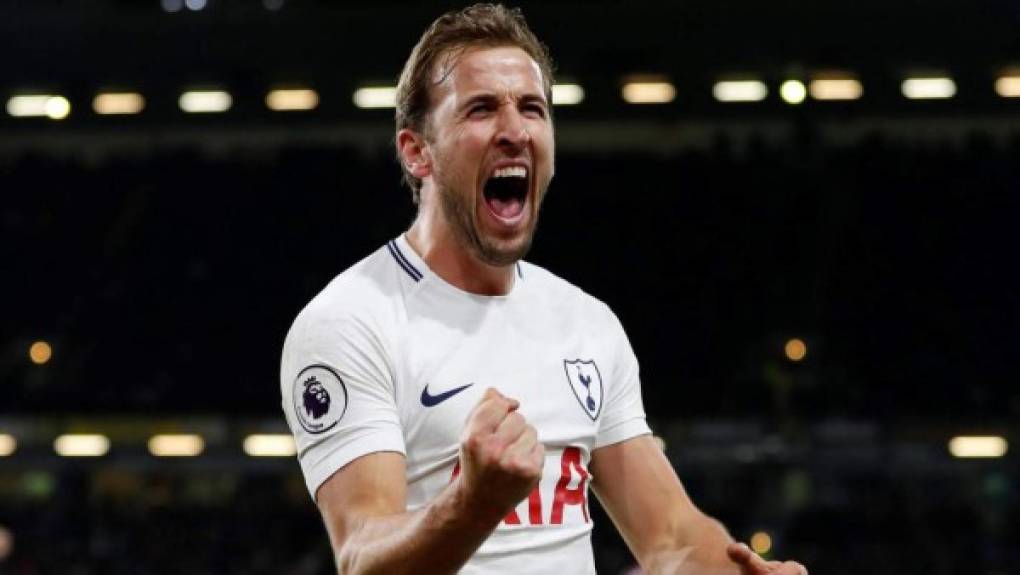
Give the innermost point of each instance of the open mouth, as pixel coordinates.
(506, 192)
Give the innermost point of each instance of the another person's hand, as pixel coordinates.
(752, 564)
(501, 457)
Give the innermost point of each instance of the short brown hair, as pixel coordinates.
(480, 25)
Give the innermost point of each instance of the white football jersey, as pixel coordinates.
(390, 357)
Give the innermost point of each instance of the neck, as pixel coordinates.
(446, 256)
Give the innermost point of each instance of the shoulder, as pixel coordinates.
(562, 293)
(363, 298)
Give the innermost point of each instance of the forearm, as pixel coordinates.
(694, 546)
(438, 538)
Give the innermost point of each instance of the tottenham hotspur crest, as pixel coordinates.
(586, 381)
(320, 398)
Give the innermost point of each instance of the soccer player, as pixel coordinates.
(451, 403)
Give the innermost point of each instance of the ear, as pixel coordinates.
(414, 153)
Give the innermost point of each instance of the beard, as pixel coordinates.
(460, 214)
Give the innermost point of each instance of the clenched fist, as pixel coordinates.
(501, 457)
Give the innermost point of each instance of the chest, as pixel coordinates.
(557, 365)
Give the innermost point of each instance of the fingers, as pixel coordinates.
(741, 554)
(490, 411)
(796, 568)
(753, 563)
(526, 454)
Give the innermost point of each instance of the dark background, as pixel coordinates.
(164, 255)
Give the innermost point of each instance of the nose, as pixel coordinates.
(512, 133)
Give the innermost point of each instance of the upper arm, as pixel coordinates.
(337, 393)
(642, 494)
(369, 486)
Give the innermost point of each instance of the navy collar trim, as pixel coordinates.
(402, 261)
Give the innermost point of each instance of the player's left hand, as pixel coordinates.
(751, 563)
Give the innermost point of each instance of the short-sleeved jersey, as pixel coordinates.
(390, 357)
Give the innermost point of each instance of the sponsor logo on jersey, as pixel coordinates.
(586, 382)
(429, 400)
(565, 485)
(320, 398)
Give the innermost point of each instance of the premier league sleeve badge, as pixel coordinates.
(320, 398)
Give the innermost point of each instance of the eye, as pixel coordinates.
(478, 110)
(534, 110)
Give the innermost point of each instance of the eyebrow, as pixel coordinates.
(489, 98)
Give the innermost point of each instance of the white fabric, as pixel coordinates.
(388, 326)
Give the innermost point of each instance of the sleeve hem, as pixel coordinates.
(317, 473)
(622, 431)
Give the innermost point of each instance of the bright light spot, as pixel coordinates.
(195, 5)
(648, 90)
(27, 106)
(6, 543)
(567, 94)
(272, 5)
(291, 100)
(740, 91)
(8, 445)
(660, 442)
(184, 445)
(793, 91)
(172, 5)
(835, 89)
(54, 107)
(205, 101)
(929, 88)
(1008, 85)
(118, 103)
(270, 445)
(81, 445)
(978, 446)
(761, 543)
(375, 97)
(57, 107)
(40, 352)
(795, 349)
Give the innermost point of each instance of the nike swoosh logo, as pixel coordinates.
(432, 400)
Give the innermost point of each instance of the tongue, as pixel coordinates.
(507, 209)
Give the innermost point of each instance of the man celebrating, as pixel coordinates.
(472, 397)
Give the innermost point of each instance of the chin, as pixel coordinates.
(499, 252)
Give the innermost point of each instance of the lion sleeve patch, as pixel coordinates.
(320, 398)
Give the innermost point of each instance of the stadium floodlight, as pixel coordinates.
(292, 100)
(38, 105)
(205, 101)
(8, 444)
(567, 94)
(371, 97)
(172, 5)
(761, 543)
(118, 103)
(740, 91)
(795, 349)
(40, 352)
(648, 90)
(270, 445)
(81, 445)
(835, 89)
(1008, 85)
(176, 445)
(793, 92)
(929, 88)
(975, 446)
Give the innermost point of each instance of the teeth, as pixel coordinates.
(511, 172)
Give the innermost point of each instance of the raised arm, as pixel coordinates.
(363, 504)
(663, 528)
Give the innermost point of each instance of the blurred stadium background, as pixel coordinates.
(805, 214)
